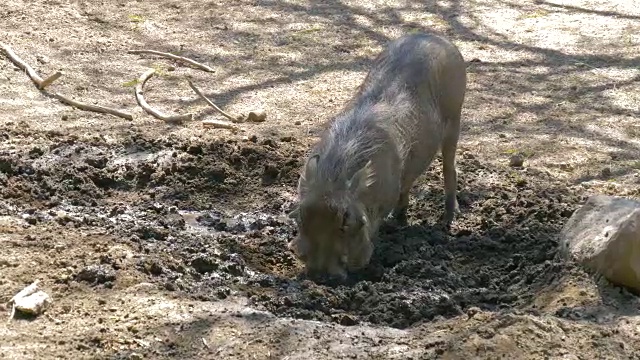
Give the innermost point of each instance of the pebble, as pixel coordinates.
(516, 161)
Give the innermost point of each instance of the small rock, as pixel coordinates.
(170, 286)
(472, 311)
(36, 152)
(565, 166)
(223, 292)
(151, 266)
(30, 300)
(270, 174)
(64, 219)
(135, 356)
(209, 219)
(345, 319)
(605, 172)
(234, 269)
(147, 232)
(604, 236)
(257, 116)
(249, 313)
(516, 161)
(232, 225)
(270, 142)
(96, 274)
(297, 123)
(204, 264)
(31, 220)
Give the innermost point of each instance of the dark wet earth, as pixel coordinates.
(210, 221)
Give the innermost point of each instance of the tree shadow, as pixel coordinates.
(325, 37)
(202, 337)
(578, 9)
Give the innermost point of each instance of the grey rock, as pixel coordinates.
(604, 236)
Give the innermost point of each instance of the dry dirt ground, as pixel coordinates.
(162, 241)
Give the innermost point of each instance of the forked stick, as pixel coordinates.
(174, 57)
(25, 67)
(144, 105)
(42, 84)
(48, 81)
(197, 91)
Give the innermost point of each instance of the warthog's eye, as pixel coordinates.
(351, 221)
(345, 222)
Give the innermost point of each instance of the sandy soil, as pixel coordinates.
(165, 241)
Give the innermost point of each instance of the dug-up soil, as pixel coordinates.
(168, 241)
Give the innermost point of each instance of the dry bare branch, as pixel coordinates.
(32, 288)
(90, 107)
(41, 84)
(150, 110)
(22, 65)
(174, 57)
(48, 81)
(197, 91)
(217, 124)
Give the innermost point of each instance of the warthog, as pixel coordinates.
(406, 110)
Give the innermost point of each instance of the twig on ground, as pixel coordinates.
(48, 81)
(197, 91)
(94, 108)
(42, 84)
(174, 57)
(22, 65)
(26, 291)
(150, 110)
(217, 124)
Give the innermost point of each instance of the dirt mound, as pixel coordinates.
(209, 218)
(194, 175)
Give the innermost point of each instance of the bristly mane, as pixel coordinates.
(359, 132)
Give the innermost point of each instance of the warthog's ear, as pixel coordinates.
(363, 178)
(311, 168)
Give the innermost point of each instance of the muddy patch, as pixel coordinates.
(499, 252)
(209, 222)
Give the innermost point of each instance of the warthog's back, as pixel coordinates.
(424, 64)
(422, 77)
